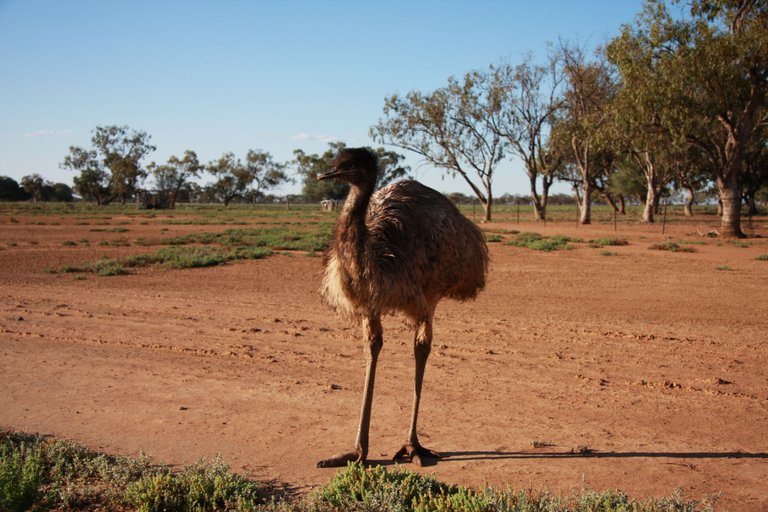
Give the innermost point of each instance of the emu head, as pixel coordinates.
(357, 166)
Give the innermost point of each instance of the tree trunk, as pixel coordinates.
(730, 196)
(687, 208)
(487, 207)
(586, 202)
(651, 203)
(622, 205)
(539, 209)
(651, 200)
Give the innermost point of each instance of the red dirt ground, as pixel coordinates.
(655, 361)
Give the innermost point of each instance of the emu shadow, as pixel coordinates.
(493, 455)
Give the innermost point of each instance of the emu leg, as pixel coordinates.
(373, 336)
(412, 449)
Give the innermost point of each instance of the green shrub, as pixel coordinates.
(537, 242)
(603, 242)
(206, 485)
(762, 257)
(21, 475)
(672, 247)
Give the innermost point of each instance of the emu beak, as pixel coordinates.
(327, 175)
(332, 173)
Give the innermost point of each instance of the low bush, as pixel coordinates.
(43, 474)
(672, 247)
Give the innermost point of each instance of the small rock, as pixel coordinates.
(183, 408)
(334, 387)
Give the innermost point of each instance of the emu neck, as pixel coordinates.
(352, 232)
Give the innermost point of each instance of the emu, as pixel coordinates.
(398, 250)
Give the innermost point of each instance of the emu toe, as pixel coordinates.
(415, 453)
(341, 460)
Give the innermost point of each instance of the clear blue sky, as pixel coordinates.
(216, 76)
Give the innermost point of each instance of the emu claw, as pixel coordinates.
(415, 453)
(341, 460)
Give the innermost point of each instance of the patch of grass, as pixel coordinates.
(542, 444)
(537, 242)
(605, 242)
(115, 243)
(494, 238)
(169, 257)
(671, 246)
(313, 238)
(118, 230)
(69, 243)
(762, 257)
(725, 268)
(739, 243)
(178, 258)
(608, 253)
(43, 474)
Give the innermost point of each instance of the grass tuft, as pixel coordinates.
(537, 242)
(672, 247)
(605, 242)
(762, 257)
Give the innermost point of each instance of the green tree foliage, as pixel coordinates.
(643, 102)
(530, 100)
(34, 185)
(450, 128)
(171, 177)
(585, 127)
(716, 75)
(234, 178)
(111, 169)
(267, 174)
(10, 190)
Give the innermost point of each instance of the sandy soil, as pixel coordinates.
(654, 361)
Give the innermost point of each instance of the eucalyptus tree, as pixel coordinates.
(34, 185)
(586, 124)
(234, 178)
(644, 100)
(231, 179)
(718, 76)
(111, 169)
(529, 101)
(267, 174)
(174, 175)
(451, 128)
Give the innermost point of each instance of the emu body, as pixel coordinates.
(398, 250)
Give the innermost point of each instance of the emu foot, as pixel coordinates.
(341, 460)
(415, 453)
